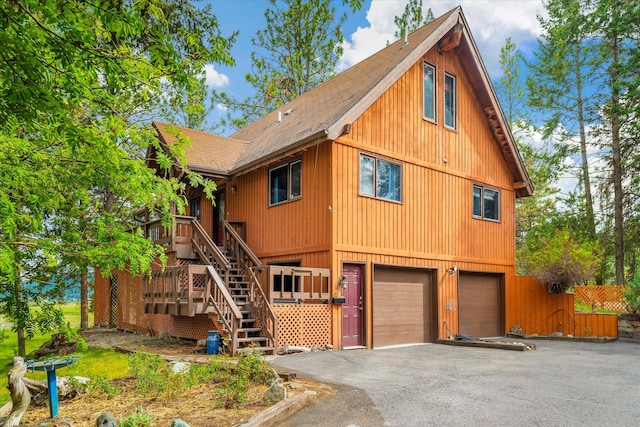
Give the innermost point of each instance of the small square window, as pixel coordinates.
(380, 178)
(486, 203)
(285, 182)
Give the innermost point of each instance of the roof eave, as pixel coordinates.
(310, 140)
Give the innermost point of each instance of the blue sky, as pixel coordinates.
(368, 30)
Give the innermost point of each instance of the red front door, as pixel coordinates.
(353, 306)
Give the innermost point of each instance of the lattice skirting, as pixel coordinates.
(195, 328)
(303, 324)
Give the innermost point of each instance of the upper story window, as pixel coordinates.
(194, 208)
(486, 203)
(285, 182)
(450, 101)
(429, 95)
(380, 178)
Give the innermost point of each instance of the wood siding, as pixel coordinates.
(538, 312)
(289, 229)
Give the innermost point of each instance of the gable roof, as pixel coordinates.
(322, 113)
(207, 153)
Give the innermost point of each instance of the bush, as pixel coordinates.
(250, 367)
(632, 295)
(560, 261)
(138, 418)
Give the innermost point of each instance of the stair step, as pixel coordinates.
(249, 329)
(248, 320)
(252, 339)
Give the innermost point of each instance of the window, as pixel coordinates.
(285, 182)
(449, 101)
(486, 203)
(194, 208)
(429, 87)
(380, 178)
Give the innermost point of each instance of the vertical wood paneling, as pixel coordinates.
(531, 306)
(297, 226)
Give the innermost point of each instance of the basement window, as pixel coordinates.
(486, 203)
(285, 182)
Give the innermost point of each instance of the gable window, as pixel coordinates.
(486, 203)
(285, 182)
(194, 208)
(429, 94)
(450, 101)
(380, 178)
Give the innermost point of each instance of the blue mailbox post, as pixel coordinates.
(50, 367)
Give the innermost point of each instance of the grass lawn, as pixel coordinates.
(93, 363)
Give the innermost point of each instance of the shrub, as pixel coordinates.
(138, 418)
(632, 295)
(560, 261)
(100, 385)
(250, 367)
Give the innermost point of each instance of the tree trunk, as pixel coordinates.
(616, 156)
(20, 396)
(22, 344)
(84, 299)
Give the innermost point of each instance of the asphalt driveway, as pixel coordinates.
(559, 384)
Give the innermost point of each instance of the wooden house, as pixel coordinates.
(376, 209)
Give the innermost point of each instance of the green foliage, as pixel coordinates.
(100, 386)
(153, 374)
(632, 295)
(559, 260)
(250, 367)
(298, 49)
(412, 18)
(138, 418)
(77, 84)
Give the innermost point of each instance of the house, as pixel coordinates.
(376, 209)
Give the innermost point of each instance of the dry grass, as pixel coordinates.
(198, 406)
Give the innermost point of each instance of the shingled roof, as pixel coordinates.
(322, 113)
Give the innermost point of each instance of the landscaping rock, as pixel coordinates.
(179, 423)
(106, 419)
(275, 393)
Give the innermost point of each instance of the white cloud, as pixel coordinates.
(222, 107)
(214, 78)
(491, 23)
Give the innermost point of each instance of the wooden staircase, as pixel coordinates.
(224, 286)
(249, 334)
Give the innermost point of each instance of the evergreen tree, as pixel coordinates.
(297, 50)
(412, 18)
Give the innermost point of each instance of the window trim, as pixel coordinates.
(433, 119)
(454, 100)
(289, 197)
(375, 159)
(482, 199)
(195, 207)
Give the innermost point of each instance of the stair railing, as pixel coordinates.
(249, 262)
(208, 251)
(226, 309)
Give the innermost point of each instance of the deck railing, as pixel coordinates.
(189, 290)
(298, 284)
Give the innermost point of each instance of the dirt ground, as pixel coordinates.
(197, 406)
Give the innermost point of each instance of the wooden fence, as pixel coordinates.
(530, 306)
(605, 297)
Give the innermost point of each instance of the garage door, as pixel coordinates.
(480, 308)
(402, 306)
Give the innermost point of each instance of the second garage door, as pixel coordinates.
(480, 310)
(402, 306)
